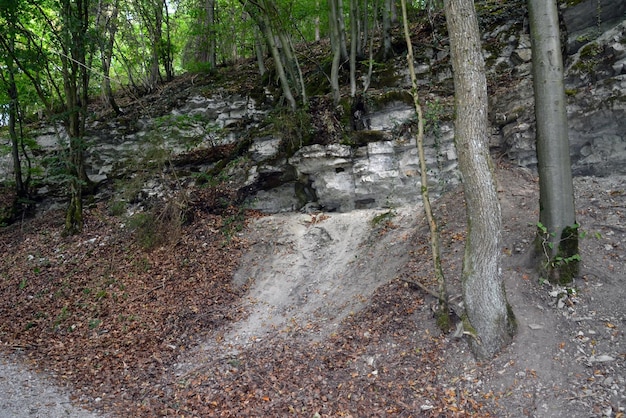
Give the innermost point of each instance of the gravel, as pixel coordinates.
(24, 393)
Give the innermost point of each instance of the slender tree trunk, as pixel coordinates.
(317, 21)
(342, 31)
(166, 47)
(278, 63)
(489, 318)
(386, 16)
(20, 187)
(107, 24)
(259, 51)
(298, 70)
(75, 20)
(211, 33)
(157, 39)
(354, 40)
(443, 316)
(557, 240)
(335, 45)
(11, 87)
(370, 67)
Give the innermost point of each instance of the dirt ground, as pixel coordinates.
(329, 325)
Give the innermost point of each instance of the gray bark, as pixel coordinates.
(488, 317)
(386, 16)
(280, 69)
(106, 23)
(559, 239)
(260, 53)
(335, 45)
(211, 53)
(354, 37)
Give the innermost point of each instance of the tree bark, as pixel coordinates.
(13, 109)
(489, 319)
(278, 63)
(386, 17)
(354, 38)
(211, 53)
(106, 22)
(557, 240)
(335, 46)
(75, 19)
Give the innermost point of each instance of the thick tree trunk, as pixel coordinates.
(489, 318)
(557, 240)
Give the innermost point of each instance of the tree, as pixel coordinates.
(106, 24)
(9, 14)
(152, 14)
(206, 44)
(443, 315)
(336, 46)
(557, 240)
(354, 43)
(268, 18)
(72, 36)
(489, 319)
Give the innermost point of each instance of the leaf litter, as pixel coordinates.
(134, 332)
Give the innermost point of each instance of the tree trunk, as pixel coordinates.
(386, 16)
(259, 51)
(443, 316)
(106, 23)
(74, 16)
(557, 240)
(489, 319)
(211, 52)
(354, 38)
(280, 69)
(20, 188)
(335, 46)
(166, 46)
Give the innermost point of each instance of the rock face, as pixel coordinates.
(595, 77)
(586, 20)
(379, 168)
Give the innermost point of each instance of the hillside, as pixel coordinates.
(238, 260)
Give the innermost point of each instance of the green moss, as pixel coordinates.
(590, 50)
(467, 326)
(382, 218)
(588, 59)
(511, 320)
(443, 321)
(566, 264)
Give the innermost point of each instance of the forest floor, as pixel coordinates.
(306, 315)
